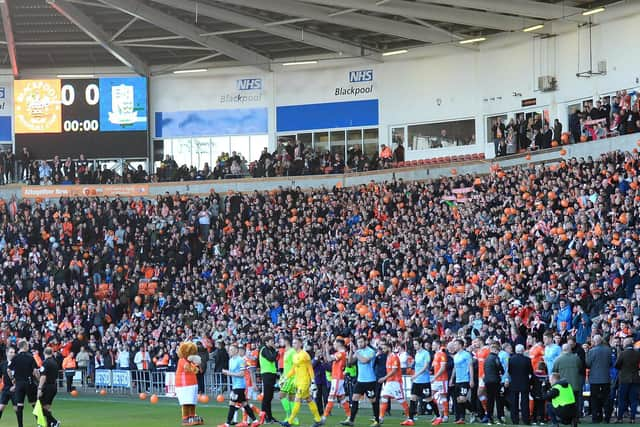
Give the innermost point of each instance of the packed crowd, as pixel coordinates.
(26, 169)
(505, 257)
(609, 116)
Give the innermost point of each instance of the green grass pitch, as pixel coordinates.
(89, 410)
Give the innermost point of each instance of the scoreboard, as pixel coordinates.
(105, 117)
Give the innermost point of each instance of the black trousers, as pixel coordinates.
(268, 389)
(600, 402)
(493, 393)
(200, 379)
(519, 406)
(68, 375)
(321, 396)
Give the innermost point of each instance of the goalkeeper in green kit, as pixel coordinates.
(287, 385)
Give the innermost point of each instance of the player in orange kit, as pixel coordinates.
(482, 352)
(391, 383)
(336, 392)
(440, 383)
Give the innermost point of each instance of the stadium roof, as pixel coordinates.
(167, 35)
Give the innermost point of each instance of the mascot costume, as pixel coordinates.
(187, 383)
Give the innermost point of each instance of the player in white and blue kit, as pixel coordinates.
(421, 381)
(237, 398)
(462, 378)
(366, 381)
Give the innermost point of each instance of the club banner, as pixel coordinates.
(57, 191)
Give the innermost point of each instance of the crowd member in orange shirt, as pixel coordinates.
(69, 368)
(392, 383)
(339, 358)
(440, 383)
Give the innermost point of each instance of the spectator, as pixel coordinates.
(599, 364)
(629, 379)
(568, 365)
(520, 374)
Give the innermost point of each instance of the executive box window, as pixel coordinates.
(348, 143)
(425, 136)
(201, 150)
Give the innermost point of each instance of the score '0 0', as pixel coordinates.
(91, 94)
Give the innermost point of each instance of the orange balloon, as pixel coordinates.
(528, 157)
(153, 399)
(74, 393)
(563, 152)
(554, 143)
(564, 203)
(583, 138)
(143, 396)
(203, 398)
(260, 397)
(220, 398)
(394, 281)
(103, 392)
(454, 171)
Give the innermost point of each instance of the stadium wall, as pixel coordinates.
(593, 149)
(473, 84)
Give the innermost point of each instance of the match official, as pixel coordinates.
(47, 388)
(23, 371)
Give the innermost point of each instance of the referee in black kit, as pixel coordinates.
(47, 388)
(23, 372)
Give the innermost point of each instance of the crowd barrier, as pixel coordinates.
(162, 383)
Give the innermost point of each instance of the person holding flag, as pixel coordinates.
(47, 390)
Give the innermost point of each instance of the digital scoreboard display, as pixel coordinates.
(105, 117)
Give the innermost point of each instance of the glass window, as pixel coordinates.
(202, 152)
(442, 135)
(240, 144)
(491, 122)
(182, 151)
(337, 143)
(258, 143)
(354, 146)
(321, 142)
(398, 137)
(371, 143)
(219, 145)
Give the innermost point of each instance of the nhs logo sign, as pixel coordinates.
(249, 84)
(360, 76)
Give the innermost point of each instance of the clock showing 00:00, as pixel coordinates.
(81, 126)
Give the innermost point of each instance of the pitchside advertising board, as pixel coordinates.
(105, 117)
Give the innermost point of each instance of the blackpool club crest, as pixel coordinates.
(38, 106)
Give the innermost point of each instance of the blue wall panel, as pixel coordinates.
(242, 121)
(327, 116)
(5, 128)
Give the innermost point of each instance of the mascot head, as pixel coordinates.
(187, 349)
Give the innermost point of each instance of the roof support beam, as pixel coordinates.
(86, 24)
(434, 12)
(8, 35)
(124, 28)
(242, 20)
(218, 44)
(534, 9)
(355, 20)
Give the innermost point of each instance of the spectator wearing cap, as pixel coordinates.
(628, 380)
(599, 364)
(569, 366)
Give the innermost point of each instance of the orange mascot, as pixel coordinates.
(187, 383)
